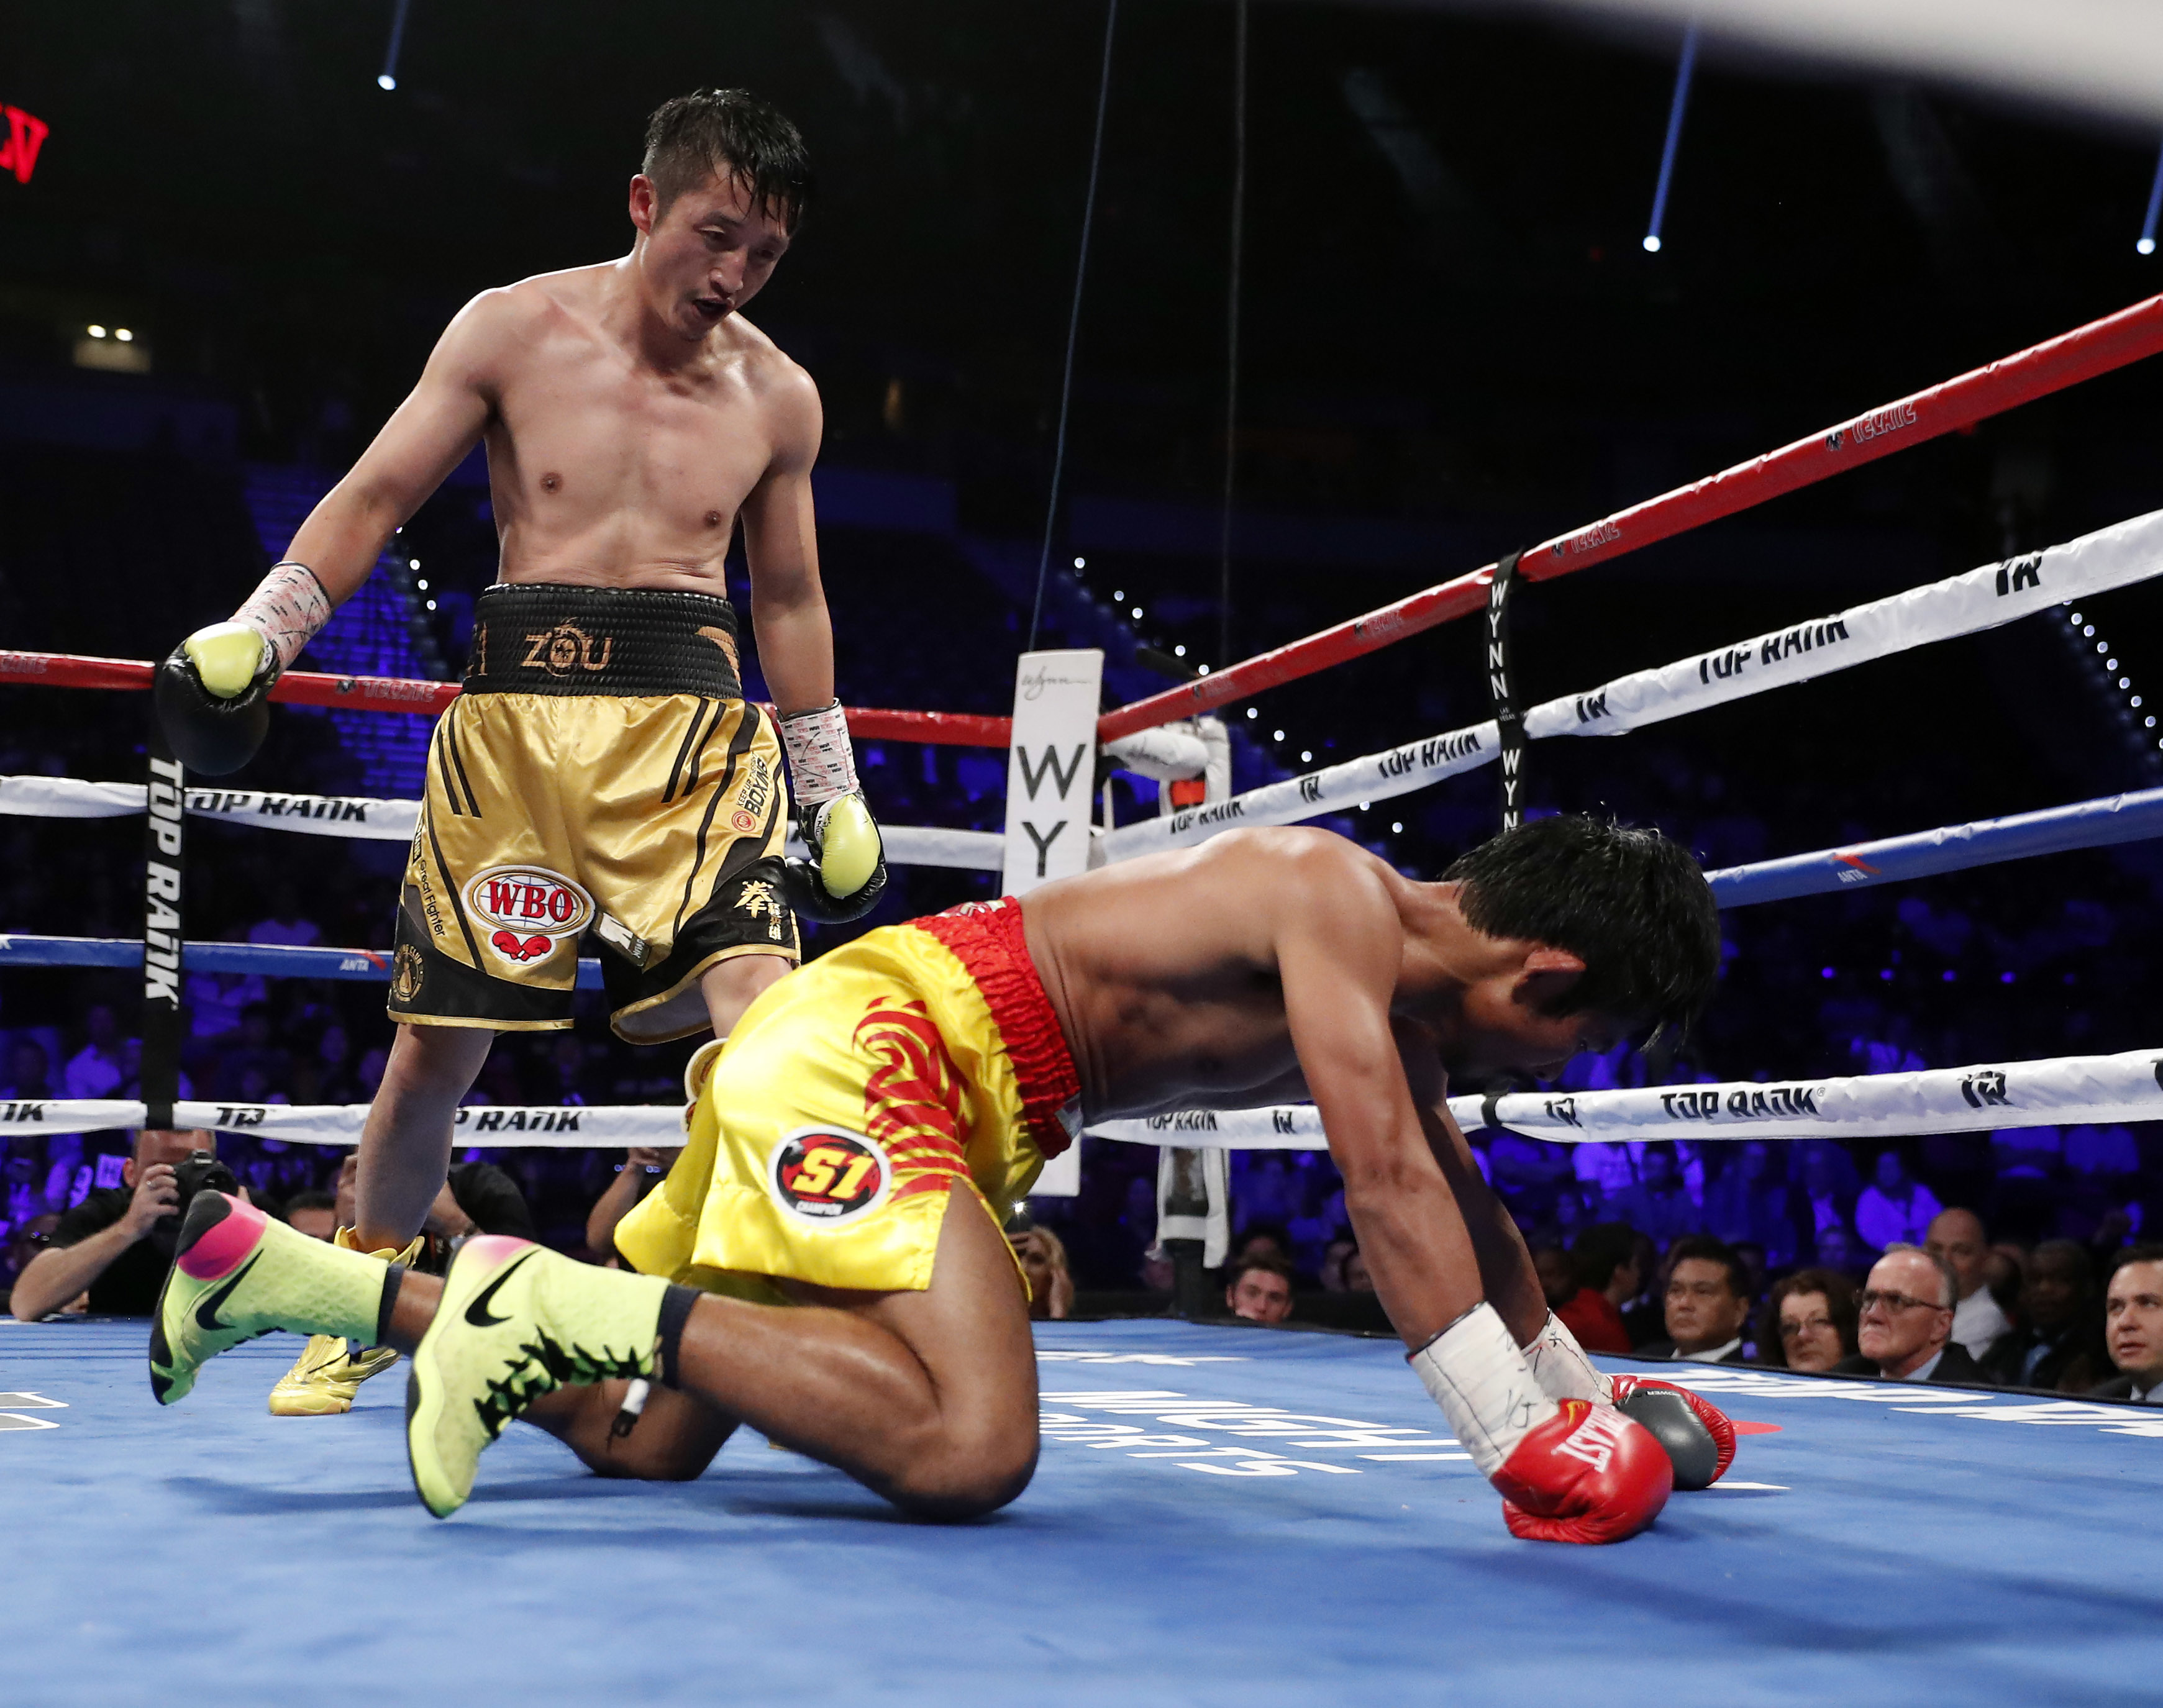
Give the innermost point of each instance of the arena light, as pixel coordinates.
(2146, 246)
(1676, 107)
(95, 331)
(124, 335)
(1080, 564)
(388, 79)
(1178, 651)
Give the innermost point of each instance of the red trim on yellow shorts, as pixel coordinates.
(987, 938)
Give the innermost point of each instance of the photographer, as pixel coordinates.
(107, 1242)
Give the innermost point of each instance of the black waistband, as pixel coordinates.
(543, 637)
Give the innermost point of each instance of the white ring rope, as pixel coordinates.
(2062, 1091)
(372, 820)
(1985, 598)
(1996, 593)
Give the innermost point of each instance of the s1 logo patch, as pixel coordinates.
(825, 1176)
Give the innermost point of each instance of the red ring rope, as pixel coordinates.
(390, 693)
(2097, 347)
(2080, 355)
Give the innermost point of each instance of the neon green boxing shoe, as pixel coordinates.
(237, 1274)
(517, 1321)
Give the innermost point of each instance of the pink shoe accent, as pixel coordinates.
(492, 1248)
(221, 1249)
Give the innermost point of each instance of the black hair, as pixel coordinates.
(1707, 1249)
(1601, 1249)
(1630, 904)
(733, 133)
(2135, 1253)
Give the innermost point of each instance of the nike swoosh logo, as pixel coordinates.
(207, 1312)
(477, 1313)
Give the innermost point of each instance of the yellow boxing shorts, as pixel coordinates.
(852, 1097)
(601, 775)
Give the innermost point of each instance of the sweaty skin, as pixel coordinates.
(1273, 965)
(1267, 965)
(632, 417)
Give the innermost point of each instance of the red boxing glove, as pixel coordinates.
(1587, 1475)
(1714, 1419)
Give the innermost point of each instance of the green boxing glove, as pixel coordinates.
(213, 692)
(846, 874)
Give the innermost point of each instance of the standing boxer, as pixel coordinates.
(602, 770)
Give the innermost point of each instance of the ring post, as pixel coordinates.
(163, 863)
(1182, 1217)
(1509, 720)
(1051, 774)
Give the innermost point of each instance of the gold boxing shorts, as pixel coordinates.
(601, 774)
(852, 1097)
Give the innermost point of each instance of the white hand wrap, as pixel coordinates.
(822, 763)
(287, 609)
(1479, 1378)
(1558, 1365)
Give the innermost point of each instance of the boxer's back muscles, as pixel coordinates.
(1183, 979)
(1272, 965)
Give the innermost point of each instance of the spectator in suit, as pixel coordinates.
(2060, 1345)
(2133, 1327)
(1808, 1322)
(1957, 1236)
(1905, 1328)
(1707, 1302)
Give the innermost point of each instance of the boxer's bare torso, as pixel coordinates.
(1192, 980)
(607, 470)
(632, 418)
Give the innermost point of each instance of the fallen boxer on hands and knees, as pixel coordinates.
(825, 1263)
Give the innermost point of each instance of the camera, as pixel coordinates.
(192, 1174)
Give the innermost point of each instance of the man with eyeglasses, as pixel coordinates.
(1907, 1323)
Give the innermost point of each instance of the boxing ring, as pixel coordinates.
(1221, 1515)
(1235, 1517)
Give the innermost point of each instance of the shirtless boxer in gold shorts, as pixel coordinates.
(825, 1261)
(601, 773)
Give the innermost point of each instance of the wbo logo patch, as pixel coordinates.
(531, 909)
(825, 1174)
